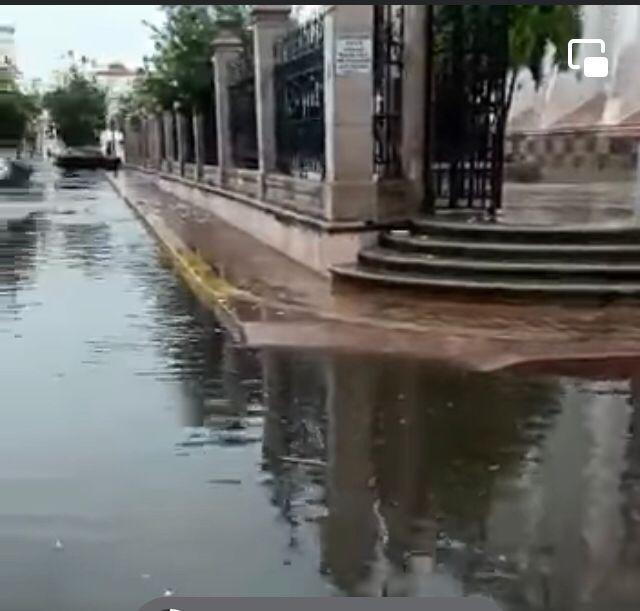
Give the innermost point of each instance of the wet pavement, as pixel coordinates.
(144, 452)
(481, 332)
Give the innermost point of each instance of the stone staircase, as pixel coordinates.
(599, 261)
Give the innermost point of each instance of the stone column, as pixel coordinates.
(414, 106)
(180, 129)
(144, 139)
(159, 136)
(198, 143)
(350, 192)
(270, 22)
(128, 140)
(226, 48)
(169, 152)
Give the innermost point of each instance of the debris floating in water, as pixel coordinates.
(58, 545)
(304, 462)
(225, 482)
(145, 576)
(168, 592)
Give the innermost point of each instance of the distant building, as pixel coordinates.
(8, 61)
(117, 79)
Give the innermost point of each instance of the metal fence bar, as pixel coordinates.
(299, 85)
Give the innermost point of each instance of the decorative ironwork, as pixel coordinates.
(242, 109)
(388, 63)
(470, 64)
(174, 134)
(299, 88)
(211, 122)
(189, 137)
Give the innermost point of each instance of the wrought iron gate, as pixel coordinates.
(189, 140)
(470, 55)
(242, 106)
(299, 85)
(210, 135)
(388, 64)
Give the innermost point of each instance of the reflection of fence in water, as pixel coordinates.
(299, 87)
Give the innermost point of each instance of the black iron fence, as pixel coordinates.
(210, 121)
(174, 134)
(470, 65)
(299, 90)
(388, 63)
(189, 137)
(242, 111)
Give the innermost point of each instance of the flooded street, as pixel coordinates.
(143, 453)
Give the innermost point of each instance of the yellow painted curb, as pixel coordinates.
(210, 289)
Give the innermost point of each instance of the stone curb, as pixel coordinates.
(213, 291)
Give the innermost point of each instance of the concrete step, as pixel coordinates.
(418, 263)
(514, 287)
(525, 234)
(474, 250)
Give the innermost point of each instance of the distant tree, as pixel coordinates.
(18, 109)
(78, 107)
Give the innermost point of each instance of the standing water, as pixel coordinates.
(143, 452)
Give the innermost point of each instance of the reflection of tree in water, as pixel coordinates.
(88, 243)
(18, 245)
(295, 426)
(196, 351)
(412, 448)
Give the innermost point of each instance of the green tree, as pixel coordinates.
(534, 31)
(78, 107)
(179, 70)
(18, 109)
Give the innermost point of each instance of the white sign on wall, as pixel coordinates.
(353, 54)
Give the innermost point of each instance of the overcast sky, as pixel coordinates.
(103, 32)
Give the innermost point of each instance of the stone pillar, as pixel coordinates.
(144, 139)
(182, 136)
(157, 140)
(198, 143)
(270, 22)
(159, 132)
(169, 151)
(226, 48)
(414, 106)
(350, 192)
(128, 140)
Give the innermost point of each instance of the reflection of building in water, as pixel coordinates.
(561, 522)
(621, 585)
(410, 448)
(441, 482)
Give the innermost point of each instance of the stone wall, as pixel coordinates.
(574, 155)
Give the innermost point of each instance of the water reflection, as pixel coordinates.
(218, 470)
(17, 253)
(424, 480)
(441, 482)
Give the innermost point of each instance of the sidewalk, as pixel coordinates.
(269, 300)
